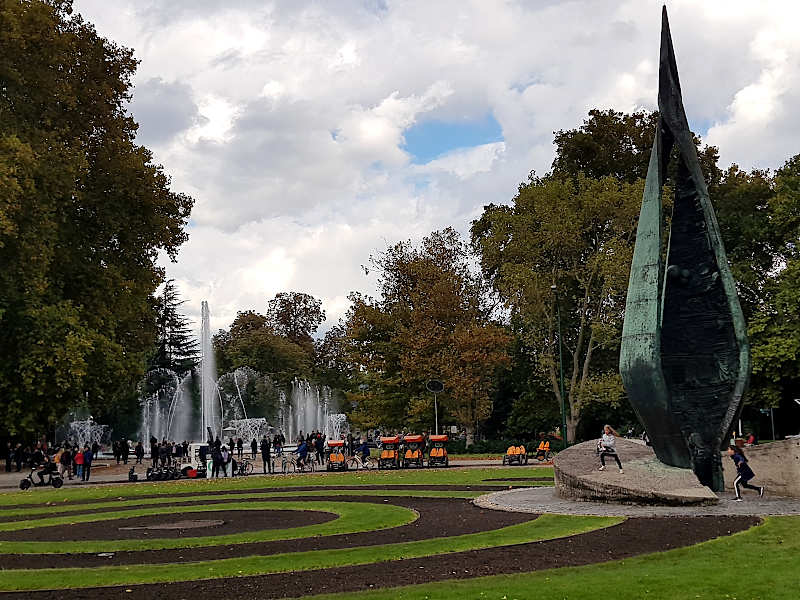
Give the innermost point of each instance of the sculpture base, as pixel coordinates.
(646, 480)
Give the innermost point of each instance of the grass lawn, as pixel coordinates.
(759, 564)
(451, 476)
(545, 527)
(353, 517)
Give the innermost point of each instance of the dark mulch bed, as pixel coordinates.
(235, 521)
(438, 517)
(633, 537)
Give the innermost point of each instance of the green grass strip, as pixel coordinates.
(451, 476)
(545, 527)
(758, 564)
(353, 517)
(116, 504)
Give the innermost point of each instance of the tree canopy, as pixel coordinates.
(432, 321)
(83, 215)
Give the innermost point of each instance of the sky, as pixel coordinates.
(314, 134)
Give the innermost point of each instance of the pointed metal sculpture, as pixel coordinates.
(685, 359)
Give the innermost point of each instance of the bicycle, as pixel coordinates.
(244, 467)
(291, 464)
(357, 462)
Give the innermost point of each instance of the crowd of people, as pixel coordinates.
(67, 459)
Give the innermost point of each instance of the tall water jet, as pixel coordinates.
(211, 417)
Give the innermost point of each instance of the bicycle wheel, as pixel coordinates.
(352, 464)
(288, 468)
(247, 468)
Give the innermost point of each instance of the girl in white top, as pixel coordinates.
(608, 447)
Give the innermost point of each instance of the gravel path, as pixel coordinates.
(544, 500)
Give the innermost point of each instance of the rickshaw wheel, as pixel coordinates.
(24, 484)
(57, 482)
(505, 460)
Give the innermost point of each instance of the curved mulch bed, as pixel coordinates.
(438, 517)
(135, 528)
(633, 537)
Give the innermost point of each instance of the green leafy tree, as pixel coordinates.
(83, 215)
(251, 342)
(431, 322)
(295, 316)
(577, 234)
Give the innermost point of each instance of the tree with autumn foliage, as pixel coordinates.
(432, 321)
(577, 234)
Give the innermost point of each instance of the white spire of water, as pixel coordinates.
(208, 369)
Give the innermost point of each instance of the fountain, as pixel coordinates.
(210, 415)
(86, 432)
(167, 410)
(337, 426)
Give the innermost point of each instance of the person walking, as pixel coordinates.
(88, 454)
(18, 457)
(743, 473)
(254, 447)
(319, 446)
(139, 452)
(265, 458)
(78, 460)
(608, 447)
(239, 448)
(66, 461)
(126, 451)
(225, 458)
(9, 456)
(216, 461)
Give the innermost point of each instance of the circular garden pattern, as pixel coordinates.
(276, 537)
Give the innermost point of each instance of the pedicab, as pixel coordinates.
(336, 461)
(543, 452)
(515, 455)
(438, 453)
(413, 454)
(390, 453)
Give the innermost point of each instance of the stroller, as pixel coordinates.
(414, 447)
(336, 458)
(390, 453)
(438, 453)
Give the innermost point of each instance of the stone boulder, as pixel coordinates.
(645, 480)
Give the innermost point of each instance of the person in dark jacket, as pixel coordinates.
(139, 452)
(743, 473)
(254, 447)
(88, 454)
(265, 445)
(216, 461)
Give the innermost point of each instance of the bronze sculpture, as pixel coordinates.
(685, 359)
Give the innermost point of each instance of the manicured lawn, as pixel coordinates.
(545, 527)
(759, 564)
(451, 476)
(353, 517)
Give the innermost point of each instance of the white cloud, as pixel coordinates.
(285, 120)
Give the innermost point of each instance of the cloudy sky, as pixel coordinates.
(312, 134)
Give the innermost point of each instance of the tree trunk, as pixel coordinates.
(572, 427)
(470, 435)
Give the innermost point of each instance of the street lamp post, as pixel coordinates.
(561, 367)
(435, 387)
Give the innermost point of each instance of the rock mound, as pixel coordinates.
(646, 480)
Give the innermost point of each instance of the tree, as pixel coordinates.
(177, 348)
(251, 342)
(295, 316)
(83, 216)
(431, 322)
(577, 234)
